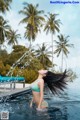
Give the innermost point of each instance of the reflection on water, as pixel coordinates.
(63, 107)
(56, 111)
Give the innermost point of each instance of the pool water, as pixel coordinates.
(63, 107)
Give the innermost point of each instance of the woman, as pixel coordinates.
(55, 82)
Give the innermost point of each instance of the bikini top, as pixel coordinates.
(35, 87)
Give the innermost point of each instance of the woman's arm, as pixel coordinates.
(31, 102)
(41, 85)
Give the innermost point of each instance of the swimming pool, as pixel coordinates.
(10, 79)
(64, 107)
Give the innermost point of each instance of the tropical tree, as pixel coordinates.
(18, 51)
(33, 20)
(4, 5)
(62, 46)
(52, 25)
(43, 54)
(13, 37)
(4, 28)
(2, 68)
(3, 55)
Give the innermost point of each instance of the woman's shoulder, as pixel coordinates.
(41, 81)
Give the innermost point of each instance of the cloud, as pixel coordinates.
(74, 62)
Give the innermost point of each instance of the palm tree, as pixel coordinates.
(43, 55)
(62, 47)
(52, 25)
(33, 20)
(13, 37)
(4, 5)
(4, 27)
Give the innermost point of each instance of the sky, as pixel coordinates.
(69, 16)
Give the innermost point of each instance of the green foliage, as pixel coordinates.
(7, 67)
(29, 71)
(34, 64)
(17, 52)
(30, 75)
(6, 33)
(3, 55)
(19, 48)
(52, 25)
(4, 5)
(2, 68)
(62, 46)
(16, 72)
(4, 27)
(13, 37)
(43, 54)
(33, 20)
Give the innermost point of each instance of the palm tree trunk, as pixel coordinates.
(0, 47)
(0, 50)
(65, 64)
(52, 49)
(62, 63)
(30, 44)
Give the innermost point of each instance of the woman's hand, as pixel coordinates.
(31, 105)
(38, 107)
(31, 102)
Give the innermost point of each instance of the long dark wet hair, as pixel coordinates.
(55, 82)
